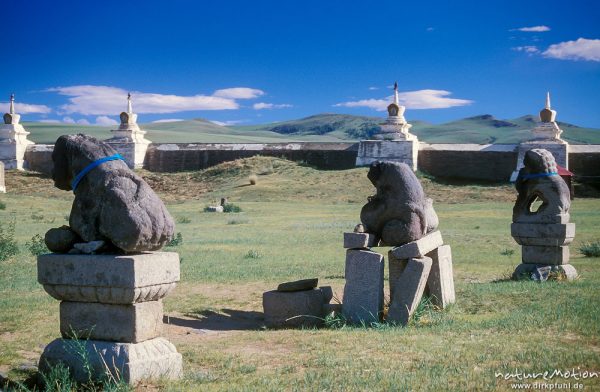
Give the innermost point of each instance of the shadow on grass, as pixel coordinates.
(225, 320)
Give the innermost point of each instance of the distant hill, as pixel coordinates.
(327, 127)
(481, 129)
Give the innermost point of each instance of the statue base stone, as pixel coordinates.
(404, 151)
(133, 152)
(111, 315)
(98, 360)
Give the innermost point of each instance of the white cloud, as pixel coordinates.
(533, 29)
(372, 88)
(105, 120)
(167, 120)
(582, 49)
(49, 121)
(103, 100)
(420, 99)
(239, 93)
(68, 120)
(531, 49)
(26, 108)
(430, 29)
(227, 123)
(264, 105)
(83, 121)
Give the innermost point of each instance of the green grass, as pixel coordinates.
(293, 222)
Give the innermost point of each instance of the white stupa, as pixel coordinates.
(13, 139)
(395, 127)
(547, 128)
(129, 139)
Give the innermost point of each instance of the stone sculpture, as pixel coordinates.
(112, 203)
(538, 179)
(112, 300)
(544, 233)
(399, 212)
(399, 215)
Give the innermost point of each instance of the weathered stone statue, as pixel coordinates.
(539, 179)
(112, 203)
(399, 212)
(111, 301)
(545, 233)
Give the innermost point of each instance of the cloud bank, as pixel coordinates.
(102, 100)
(581, 49)
(264, 105)
(420, 99)
(26, 108)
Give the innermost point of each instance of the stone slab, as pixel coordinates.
(2, 181)
(363, 292)
(120, 323)
(117, 279)
(295, 309)
(298, 285)
(542, 272)
(409, 290)
(419, 248)
(359, 240)
(131, 362)
(549, 255)
(543, 234)
(440, 284)
(395, 268)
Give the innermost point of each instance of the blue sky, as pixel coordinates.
(243, 62)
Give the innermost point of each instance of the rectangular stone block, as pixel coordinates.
(120, 323)
(552, 255)
(543, 234)
(440, 284)
(359, 240)
(116, 279)
(395, 268)
(419, 248)
(132, 362)
(404, 151)
(2, 183)
(409, 290)
(363, 292)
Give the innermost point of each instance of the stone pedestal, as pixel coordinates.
(113, 306)
(409, 289)
(405, 151)
(544, 249)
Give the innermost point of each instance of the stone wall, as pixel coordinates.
(492, 162)
(181, 157)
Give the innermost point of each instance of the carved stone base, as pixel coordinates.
(98, 360)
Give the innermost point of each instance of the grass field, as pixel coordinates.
(291, 225)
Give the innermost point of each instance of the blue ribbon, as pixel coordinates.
(538, 175)
(91, 167)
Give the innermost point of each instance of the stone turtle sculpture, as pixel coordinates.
(399, 212)
(112, 203)
(539, 179)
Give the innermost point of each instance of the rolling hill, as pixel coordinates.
(327, 127)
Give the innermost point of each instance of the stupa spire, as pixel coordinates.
(11, 109)
(396, 100)
(129, 106)
(548, 100)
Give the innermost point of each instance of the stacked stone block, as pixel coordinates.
(416, 268)
(545, 249)
(297, 304)
(111, 314)
(2, 184)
